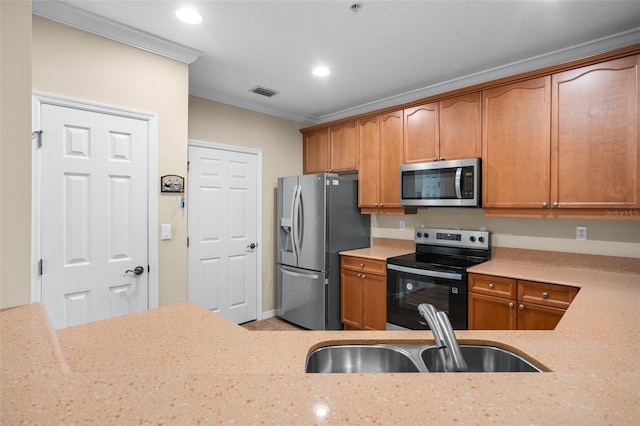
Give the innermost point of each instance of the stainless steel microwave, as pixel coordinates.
(452, 183)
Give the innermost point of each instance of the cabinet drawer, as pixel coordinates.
(493, 286)
(555, 295)
(361, 264)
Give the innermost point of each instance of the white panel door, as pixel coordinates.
(93, 214)
(223, 251)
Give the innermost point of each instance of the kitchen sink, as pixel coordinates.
(481, 359)
(411, 358)
(360, 359)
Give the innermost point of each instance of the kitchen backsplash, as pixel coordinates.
(605, 237)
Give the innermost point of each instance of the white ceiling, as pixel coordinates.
(386, 53)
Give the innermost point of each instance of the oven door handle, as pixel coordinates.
(425, 272)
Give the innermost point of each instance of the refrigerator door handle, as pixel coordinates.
(295, 221)
(299, 275)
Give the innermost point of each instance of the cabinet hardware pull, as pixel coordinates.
(510, 305)
(545, 295)
(359, 275)
(361, 265)
(364, 276)
(544, 204)
(435, 159)
(491, 285)
(441, 158)
(521, 307)
(555, 204)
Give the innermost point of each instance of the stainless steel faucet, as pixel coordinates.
(444, 336)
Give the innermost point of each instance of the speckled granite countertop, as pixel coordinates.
(182, 365)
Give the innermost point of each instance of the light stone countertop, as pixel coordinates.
(183, 365)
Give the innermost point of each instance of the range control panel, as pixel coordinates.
(452, 237)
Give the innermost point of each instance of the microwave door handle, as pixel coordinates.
(458, 182)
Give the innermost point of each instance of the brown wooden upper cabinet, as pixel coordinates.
(444, 130)
(594, 136)
(516, 144)
(380, 152)
(334, 149)
(566, 141)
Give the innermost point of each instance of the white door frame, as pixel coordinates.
(258, 154)
(39, 99)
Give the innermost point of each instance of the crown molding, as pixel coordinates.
(253, 106)
(591, 48)
(92, 23)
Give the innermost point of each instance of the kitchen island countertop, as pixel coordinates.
(183, 365)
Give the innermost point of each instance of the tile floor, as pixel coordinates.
(271, 324)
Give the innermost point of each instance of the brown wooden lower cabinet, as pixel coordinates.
(491, 313)
(499, 303)
(363, 293)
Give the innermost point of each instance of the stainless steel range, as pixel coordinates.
(436, 273)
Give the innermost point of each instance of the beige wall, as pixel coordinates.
(281, 145)
(76, 64)
(606, 237)
(15, 153)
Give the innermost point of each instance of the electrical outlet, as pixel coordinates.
(581, 232)
(402, 225)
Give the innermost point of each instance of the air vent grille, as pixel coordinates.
(264, 91)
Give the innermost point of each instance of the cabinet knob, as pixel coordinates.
(375, 205)
(380, 204)
(359, 275)
(491, 286)
(555, 204)
(544, 204)
(435, 158)
(361, 265)
(364, 276)
(521, 307)
(441, 158)
(510, 305)
(545, 295)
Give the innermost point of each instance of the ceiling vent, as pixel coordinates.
(264, 91)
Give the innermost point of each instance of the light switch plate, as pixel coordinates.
(166, 231)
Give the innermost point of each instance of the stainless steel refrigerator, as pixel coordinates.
(318, 217)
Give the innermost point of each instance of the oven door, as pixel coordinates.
(409, 287)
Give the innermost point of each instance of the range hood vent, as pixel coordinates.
(264, 91)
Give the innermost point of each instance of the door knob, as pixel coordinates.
(252, 246)
(138, 270)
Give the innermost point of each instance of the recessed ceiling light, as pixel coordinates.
(189, 16)
(321, 71)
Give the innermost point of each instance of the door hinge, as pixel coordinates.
(38, 135)
(40, 267)
(188, 165)
(187, 242)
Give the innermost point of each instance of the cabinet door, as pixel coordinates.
(351, 298)
(343, 141)
(374, 302)
(538, 317)
(595, 127)
(369, 162)
(491, 313)
(460, 127)
(391, 126)
(516, 126)
(421, 133)
(315, 151)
